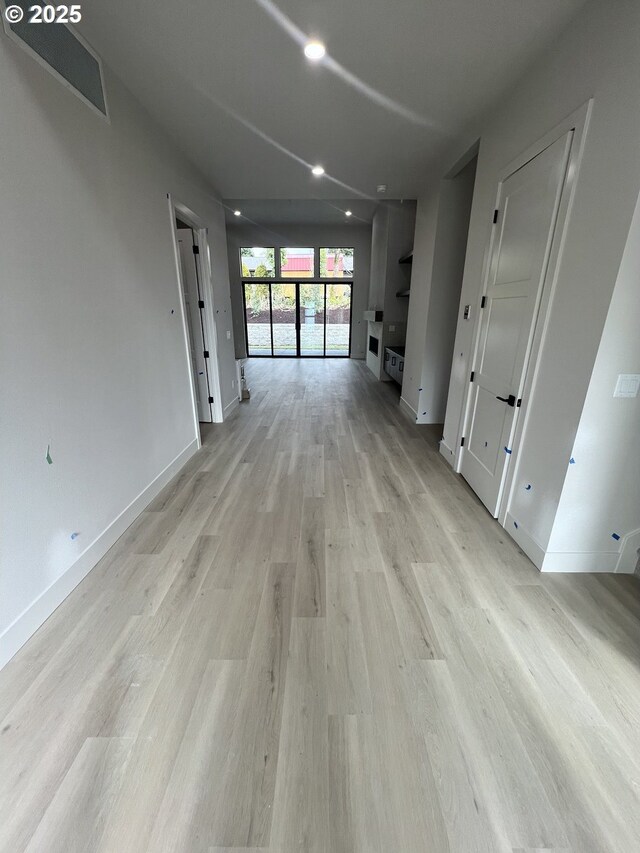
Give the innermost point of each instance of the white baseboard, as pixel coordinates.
(580, 561)
(528, 544)
(629, 553)
(25, 625)
(447, 452)
(408, 409)
(230, 407)
(622, 561)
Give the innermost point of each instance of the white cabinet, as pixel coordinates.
(394, 363)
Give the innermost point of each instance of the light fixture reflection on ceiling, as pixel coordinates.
(317, 171)
(314, 50)
(237, 212)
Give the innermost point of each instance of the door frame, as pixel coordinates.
(324, 283)
(203, 264)
(578, 122)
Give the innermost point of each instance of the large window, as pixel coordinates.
(298, 263)
(258, 262)
(306, 309)
(286, 318)
(336, 263)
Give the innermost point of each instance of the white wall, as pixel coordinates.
(352, 234)
(93, 358)
(379, 247)
(422, 266)
(424, 390)
(601, 494)
(596, 57)
(393, 227)
(401, 225)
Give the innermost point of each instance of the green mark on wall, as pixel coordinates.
(48, 456)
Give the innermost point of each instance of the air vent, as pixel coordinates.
(62, 52)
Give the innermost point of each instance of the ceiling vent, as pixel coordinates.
(58, 48)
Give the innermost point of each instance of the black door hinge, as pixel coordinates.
(206, 353)
(473, 373)
(483, 301)
(462, 442)
(211, 399)
(196, 250)
(519, 403)
(495, 216)
(200, 303)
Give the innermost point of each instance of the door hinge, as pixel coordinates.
(206, 353)
(200, 303)
(473, 373)
(483, 301)
(196, 250)
(211, 399)
(519, 403)
(462, 442)
(495, 216)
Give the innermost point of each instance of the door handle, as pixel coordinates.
(510, 400)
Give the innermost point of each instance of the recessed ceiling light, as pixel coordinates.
(237, 212)
(382, 188)
(347, 213)
(314, 50)
(317, 171)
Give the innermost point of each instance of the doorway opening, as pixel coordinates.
(194, 277)
(194, 306)
(297, 319)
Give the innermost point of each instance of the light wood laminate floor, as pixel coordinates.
(316, 639)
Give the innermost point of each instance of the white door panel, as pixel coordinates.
(501, 342)
(529, 202)
(488, 423)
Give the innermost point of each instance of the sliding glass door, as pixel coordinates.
(286, 319)
(257, 312)
(283, 319)
(311, 316)
(338, 325)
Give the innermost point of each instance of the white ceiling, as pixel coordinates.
(227, 79)
(258, 211)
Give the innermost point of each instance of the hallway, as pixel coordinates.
(316, 639)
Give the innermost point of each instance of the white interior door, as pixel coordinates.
(527, 215)
(193, 313)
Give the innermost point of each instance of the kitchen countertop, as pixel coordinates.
(398, 350)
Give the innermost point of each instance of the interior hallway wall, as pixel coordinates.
(431, 334)
(595, 57)
(601, 495)
(330, 236)
(93, 361)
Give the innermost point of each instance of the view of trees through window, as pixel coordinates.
(312, 296)
(336, 263)
(258, 262)
(296, 263)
